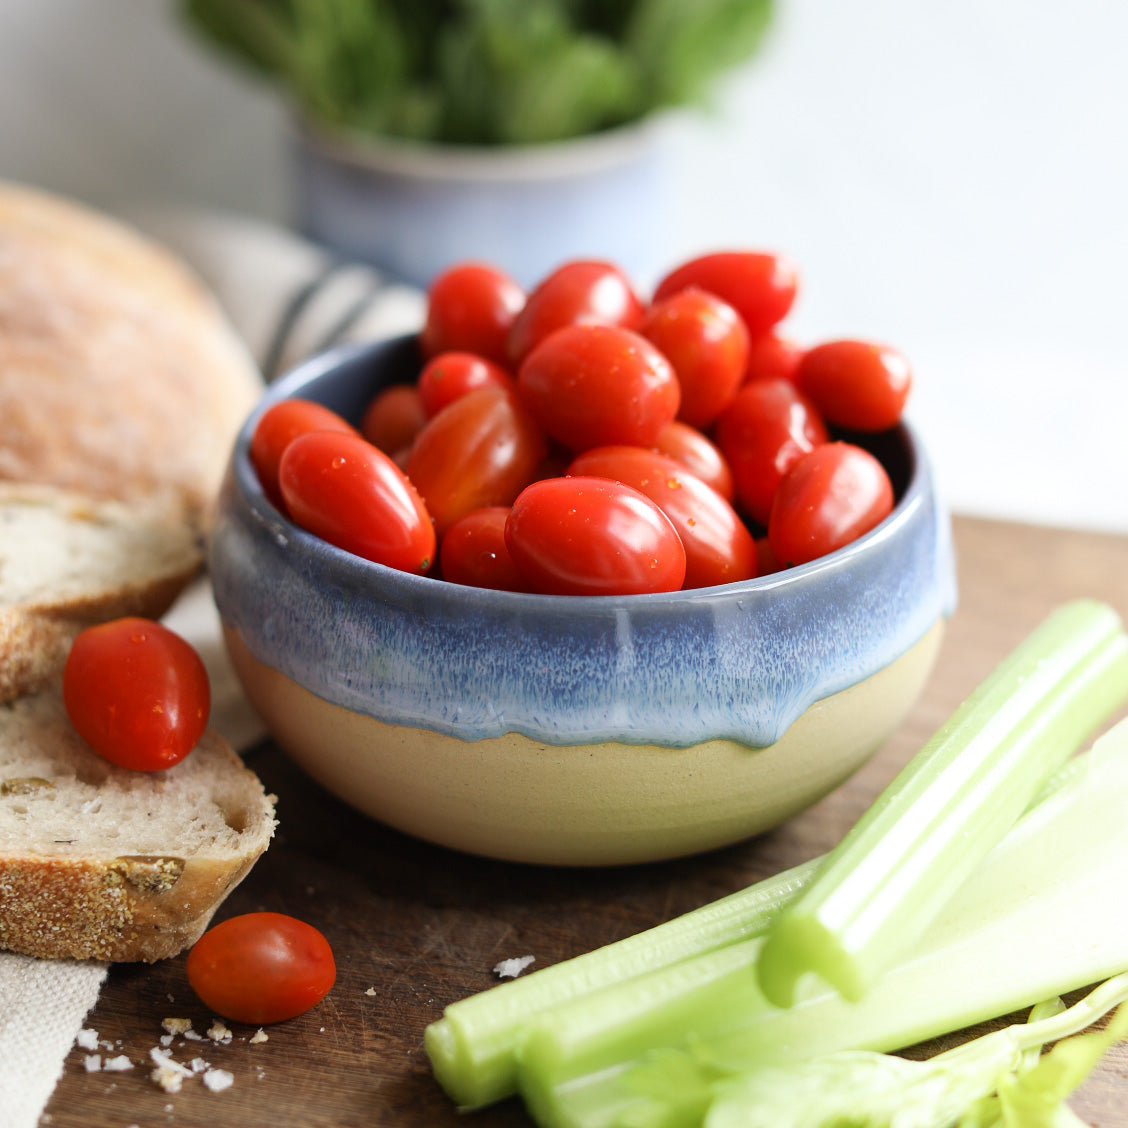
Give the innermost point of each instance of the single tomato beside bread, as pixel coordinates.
(261, 968)
(137, 693)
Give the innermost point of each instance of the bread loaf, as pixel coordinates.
(67, 561)
(98, 862)
(119, 375)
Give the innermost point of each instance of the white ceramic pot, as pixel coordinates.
(415, 209)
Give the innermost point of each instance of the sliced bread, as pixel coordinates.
(98, 862)
(67, 561)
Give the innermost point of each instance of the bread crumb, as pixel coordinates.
(217, 1032)
(176, 1026)
(258, 1036)
(216, 1080)
(370, 991)
(167, 1078)
(92, 1063)
(169, 1074)
(166, 1039)
(199, 1065)
(87, 1039)
(117, 1064)
(511, 968)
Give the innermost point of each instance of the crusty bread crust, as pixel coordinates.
(119, 376)
(98, 862)
(67, 561)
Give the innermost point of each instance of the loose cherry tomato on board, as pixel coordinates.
(855, 384)
(279, 425)
(592, 536)
(766, 429)
(261, 968)
(578, 293)
(474, 552)
(705, 340)
(136, 693)
(393, 418)
(450, 375)
(470, 308)
(697, 453)
(479, 451)
(595, 385)
(719, 549)
(346, 491)
(772, 357)
(761, 287)
(830, 497)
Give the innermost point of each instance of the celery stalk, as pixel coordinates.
(996, 1079)
(1040, 916)
(472, 1048)
(889, 878)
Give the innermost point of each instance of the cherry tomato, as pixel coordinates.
(766, 429)
(766, 563)
(592, 536)
(719, 549)
(594, 385)
(261, 968)
(697, 453)
(346, 491)
(474, 552)
(577, 293)
(479, 451)
(855, 384)
(830, 497)
(393, 418)
(470, 308)
(772, 357)
(137, 693)
(761, 287)
(278, 427)
(706, 342)
(451, 375)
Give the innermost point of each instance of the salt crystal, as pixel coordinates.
(218, 1079)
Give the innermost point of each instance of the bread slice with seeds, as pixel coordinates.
(99, 862)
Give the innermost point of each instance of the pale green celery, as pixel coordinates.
(1043, 914)
(885, 883)
(472, 1048)
(983, 1082)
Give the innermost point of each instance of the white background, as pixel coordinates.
(951, 177)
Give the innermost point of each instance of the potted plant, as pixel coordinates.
(521, 132)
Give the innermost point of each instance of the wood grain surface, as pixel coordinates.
(415, 927)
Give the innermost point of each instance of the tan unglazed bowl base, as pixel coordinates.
(516, 799)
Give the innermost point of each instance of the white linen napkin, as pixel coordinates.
(288, 300)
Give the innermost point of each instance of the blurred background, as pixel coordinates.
(951, 179)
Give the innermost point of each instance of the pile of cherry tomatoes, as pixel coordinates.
(579, 440)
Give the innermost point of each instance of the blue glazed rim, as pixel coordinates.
(740, 661)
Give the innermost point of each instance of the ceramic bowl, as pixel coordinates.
(564, 730)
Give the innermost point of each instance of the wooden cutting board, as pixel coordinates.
(415, 927)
